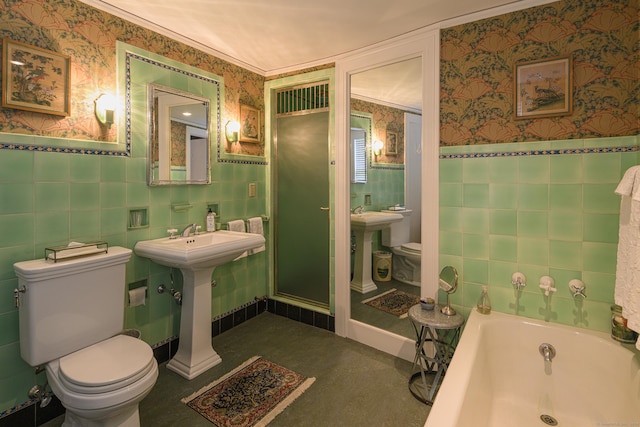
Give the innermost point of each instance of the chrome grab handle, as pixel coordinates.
(322, 208)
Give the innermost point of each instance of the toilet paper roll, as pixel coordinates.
(137, 296)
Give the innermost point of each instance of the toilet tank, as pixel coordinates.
(398, 232)
(69, 305)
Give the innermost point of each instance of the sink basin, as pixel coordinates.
(373, 221)
(363, 226)
(197, 257)
(201, 251)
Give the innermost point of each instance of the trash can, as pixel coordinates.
(382, 266)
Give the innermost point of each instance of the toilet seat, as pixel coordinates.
(412, 247)
(106, 366)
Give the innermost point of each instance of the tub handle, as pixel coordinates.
(577, 288)
(546, 284)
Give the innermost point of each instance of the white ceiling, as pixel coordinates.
(274, 36)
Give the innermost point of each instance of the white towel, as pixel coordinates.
(627, 288)
(254, 225)
(237, 225)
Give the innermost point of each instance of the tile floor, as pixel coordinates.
(355, 384)
(378, 318)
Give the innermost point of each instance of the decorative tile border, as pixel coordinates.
(541, 152)
(16, 145)
(627, 144)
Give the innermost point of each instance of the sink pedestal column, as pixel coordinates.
(195, 353)
(362, 281)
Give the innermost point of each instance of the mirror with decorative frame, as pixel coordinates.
(179, 142)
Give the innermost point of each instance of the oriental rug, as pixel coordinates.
(394, 302)
(253, 394)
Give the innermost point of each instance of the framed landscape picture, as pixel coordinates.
(34, 79)
(543, 88)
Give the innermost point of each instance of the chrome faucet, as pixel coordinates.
(547, 351)
(357, 210)
(187, 230)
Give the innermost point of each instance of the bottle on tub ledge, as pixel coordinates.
(484, 305)
(211, 221)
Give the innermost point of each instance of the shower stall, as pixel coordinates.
(301, 199)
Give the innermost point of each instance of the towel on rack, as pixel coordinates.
(627, 287)
(254, 225)
(237, 225)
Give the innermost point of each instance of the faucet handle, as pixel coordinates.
(518, 280)
(172, 232)
(577, 287)
(198, 228)
(546, 284)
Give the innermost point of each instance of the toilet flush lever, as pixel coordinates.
(16, 295)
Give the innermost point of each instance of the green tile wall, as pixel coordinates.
(548, 214)
(52, 198)
(386, 187)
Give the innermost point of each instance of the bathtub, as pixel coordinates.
(499, 378)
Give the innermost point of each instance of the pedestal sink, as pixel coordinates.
(363, 225)
(196, 257)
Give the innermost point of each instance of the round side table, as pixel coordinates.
(444, 333)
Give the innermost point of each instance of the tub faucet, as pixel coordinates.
(547, 351)
(358, 210)
(187, 230)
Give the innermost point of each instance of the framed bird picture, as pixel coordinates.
(543, 88)
(34, 79)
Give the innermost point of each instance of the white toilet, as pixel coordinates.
(407, 255)
(71, 316)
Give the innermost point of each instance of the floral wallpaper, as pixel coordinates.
(178, 144)
(477, 63)
(88, 36)
(384, 119)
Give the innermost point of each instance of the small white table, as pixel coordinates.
(444, 332)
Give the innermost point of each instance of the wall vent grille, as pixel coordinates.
(303, 99)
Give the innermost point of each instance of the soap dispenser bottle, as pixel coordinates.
(484, 305)
(211, 221)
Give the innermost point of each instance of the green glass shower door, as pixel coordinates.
(302, 207)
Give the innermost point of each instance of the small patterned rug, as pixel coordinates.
(394, 302)
(253, 394)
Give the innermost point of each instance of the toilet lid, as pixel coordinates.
(412, 247)
(107, 365)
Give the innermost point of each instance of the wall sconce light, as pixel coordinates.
(377, 147)
(105, 107)
(232, 128)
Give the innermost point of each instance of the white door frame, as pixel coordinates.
(424, 44)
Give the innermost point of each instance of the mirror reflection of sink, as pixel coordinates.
(197, 257)
(372, 221)
(363, 226)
